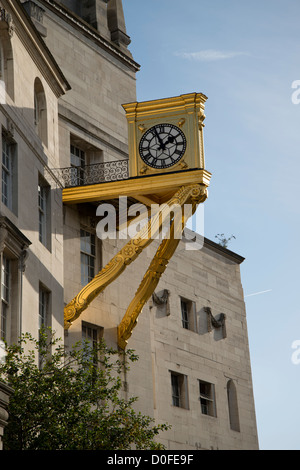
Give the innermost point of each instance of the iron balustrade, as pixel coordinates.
(93, 174)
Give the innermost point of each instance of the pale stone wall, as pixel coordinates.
(208, 277)
(101, 82)
(211, 278)
(91, 111)
(33, 158)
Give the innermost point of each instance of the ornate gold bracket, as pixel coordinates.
(191, 194)
(156, 269)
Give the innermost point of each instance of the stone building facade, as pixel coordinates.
(66, 70)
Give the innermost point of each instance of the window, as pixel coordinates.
(77, 157)
(36, 111)
(40, 111)
(6, 66)
(5, 296)
(179, 390)
(8, 155)
(188, 315)
(233, 406)
(88, 256)
(207, 398)
(43, 307)
(92, 334)
(12, 264)
(77, 165)
(44, 213)
(84, 162)
(1, 63)
(44, 297)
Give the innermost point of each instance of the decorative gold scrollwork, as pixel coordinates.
(190, 194)
(151, 278)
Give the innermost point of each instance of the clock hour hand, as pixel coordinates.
(170, 139)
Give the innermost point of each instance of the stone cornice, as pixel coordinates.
(36, 47)
(223, 251)
(17, 238)
(209, 244)
(90, 32)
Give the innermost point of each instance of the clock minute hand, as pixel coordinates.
(162, 145)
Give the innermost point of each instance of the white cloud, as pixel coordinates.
(209, 55)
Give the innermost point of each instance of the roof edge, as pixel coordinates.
(216, 247)
(62, 84)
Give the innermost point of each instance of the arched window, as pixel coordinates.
(1, 62)
(233, 406)
(6, 64)
(40, 111)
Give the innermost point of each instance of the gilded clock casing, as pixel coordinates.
(185, 112)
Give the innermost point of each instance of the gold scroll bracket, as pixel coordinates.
(191, 194)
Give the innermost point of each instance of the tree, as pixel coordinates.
(71, 400)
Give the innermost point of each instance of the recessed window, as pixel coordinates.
(44, 212)
(6, 66)
(207, 398)
(86, 162)
(77, 156)
(5, 296)
(233, 406)
(1, 62)
(179, 390)
(43, 307)
(44, 313)
(40, 111)
(78, 161)
(188, 314)
(12, 265)
(87, 256)
(8, 172)
(92, 335)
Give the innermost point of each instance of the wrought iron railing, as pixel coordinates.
(93, 174)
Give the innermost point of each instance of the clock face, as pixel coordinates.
(162, 146)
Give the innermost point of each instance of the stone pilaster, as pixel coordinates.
(5, 392)
(116, 23)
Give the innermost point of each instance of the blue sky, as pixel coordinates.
(244, 56)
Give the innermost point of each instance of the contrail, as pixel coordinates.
(258, 293)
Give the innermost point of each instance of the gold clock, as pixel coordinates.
(162, 146)
(166, 135)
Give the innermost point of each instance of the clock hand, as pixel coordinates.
(169, 140)
(162, 145)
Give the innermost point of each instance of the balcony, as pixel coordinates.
(105, 172)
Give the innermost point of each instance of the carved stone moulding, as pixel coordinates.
(6, 18)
